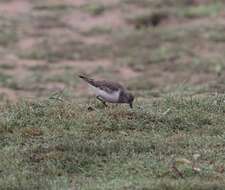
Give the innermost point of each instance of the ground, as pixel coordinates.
(169, 54)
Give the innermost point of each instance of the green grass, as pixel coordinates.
(5, 79)
(7, 66)
(173, 138)
(148, 18)
(8, 31)
(98, 31)
(53, 145)
(68, 77)
(94, 9)
(49, 7)
(203, 10)
(53, 50)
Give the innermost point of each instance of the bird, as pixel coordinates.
(109, 91)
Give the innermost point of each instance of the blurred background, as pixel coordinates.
(154, 47)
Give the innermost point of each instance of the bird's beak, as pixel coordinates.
(131, 104)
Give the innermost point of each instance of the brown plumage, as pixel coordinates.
(109, 91)
(108, 86)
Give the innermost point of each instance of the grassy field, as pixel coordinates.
(56, 136)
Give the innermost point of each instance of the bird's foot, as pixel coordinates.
(103, 102)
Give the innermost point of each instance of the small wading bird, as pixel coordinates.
(108, 91)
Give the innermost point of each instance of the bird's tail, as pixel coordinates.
(87, 79)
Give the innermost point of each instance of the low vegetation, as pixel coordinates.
(58, 144)
(55, 136)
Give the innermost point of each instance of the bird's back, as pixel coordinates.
(108, 86)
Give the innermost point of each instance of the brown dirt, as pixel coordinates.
(81, 66)
(84, 22)
(127, 73)
(15, 7)
(26, 44)
(8, 94)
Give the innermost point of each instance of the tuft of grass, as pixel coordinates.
(98, 31)
(147, 19)
(8, 32)
(94, 9)
(49, 19)
(202, 10)
(5, 79)
(7, 66)
(67, 77)
(216, 35)
(65, 49)
(51, 7)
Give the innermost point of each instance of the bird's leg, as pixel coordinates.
(98, 97)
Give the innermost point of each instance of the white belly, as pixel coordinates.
(108, 97)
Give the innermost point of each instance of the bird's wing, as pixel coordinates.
(108, 86)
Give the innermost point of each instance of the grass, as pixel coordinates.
(7, 66)
(147, 19)
(53, 50)
(48, 19)
(94, 9)
(63, 145)
(173, 138)
(67, 78)
(8, 31)
(203, 10)
(98, 31)
(5, 79)
(51, 7)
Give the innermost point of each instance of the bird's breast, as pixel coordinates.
(112, 97)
